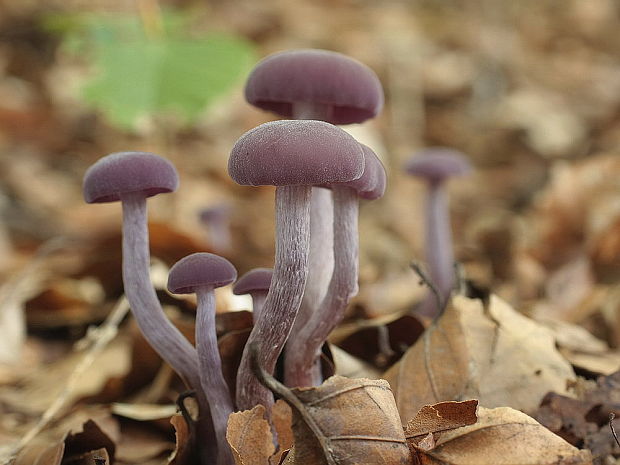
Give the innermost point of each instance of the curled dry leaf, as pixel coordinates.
(183, 453)
(249, 436)
(491, 353)
(441, 417)
(353, 421)
(502, 436)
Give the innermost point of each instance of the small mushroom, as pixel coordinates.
(293, 156)
(216, 220)
(132, 177)
(435, 165)
(302, 367)
(201, 273)
(255, 282)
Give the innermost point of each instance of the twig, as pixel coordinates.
(104, 334)
(281, 390)
(612, 415)
(426, 280)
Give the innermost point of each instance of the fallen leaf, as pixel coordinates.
(442, 416)
(492, 353)
(352, 421)
(502, 436)
(250, 438)
(282, 420)
(183, 453)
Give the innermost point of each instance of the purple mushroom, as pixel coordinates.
(132, 177)
(302, 367)
(435, 165)
(217, 222)
(293, 156)
(318, 85)
(201, 273)
(255, 282)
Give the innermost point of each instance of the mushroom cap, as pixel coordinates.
(371, 184)
(215, 213)
(200, 269)
(126, 172)
(437, 163)
(257, 279)
(294, 152)
(351, 88)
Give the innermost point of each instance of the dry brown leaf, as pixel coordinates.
(442, 416)
(183, 453)
(250, 438)
(494, 354)
(282, 419)
(352, 421)
(502, 436)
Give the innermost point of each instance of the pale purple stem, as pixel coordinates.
(211, 377)
(302, 367)
(439, 253)
(258, 302)
(284, 297)
(160, 333)
(321, 256)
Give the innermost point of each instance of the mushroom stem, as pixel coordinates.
(160, 333)
(321, 256)
(311, 110)
(302, 366)
(284, 297)
(258, 302)
(211, 378)
(439, 253)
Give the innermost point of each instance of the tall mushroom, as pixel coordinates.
(293, 156)
(302, 366)
(255, 282)
(318, 85)
(435, 165)
(132, 177)
(201, 273)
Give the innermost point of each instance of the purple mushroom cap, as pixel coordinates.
(200, 269)
(215, 213)
(351, 88)
(126, 172)
(437, 163)
(258, 279)
(295, 152)
(371, 184)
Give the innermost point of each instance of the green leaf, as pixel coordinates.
(143, 77)
(139, 76)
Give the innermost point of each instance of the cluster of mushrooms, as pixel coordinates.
(320, 173)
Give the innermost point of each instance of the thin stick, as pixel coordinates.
(104, 335)
(612, 415)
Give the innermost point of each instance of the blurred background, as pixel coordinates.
(529, 90)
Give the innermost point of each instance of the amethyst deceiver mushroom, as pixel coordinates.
(255, 282)
(318, 85)
(201, 273)
(132, 177)
(216, 220)
(293, 156)
(302, 367)
(435, 165)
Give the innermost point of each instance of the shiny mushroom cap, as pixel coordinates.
(200, 270)
(128, 172)
(350, 88)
